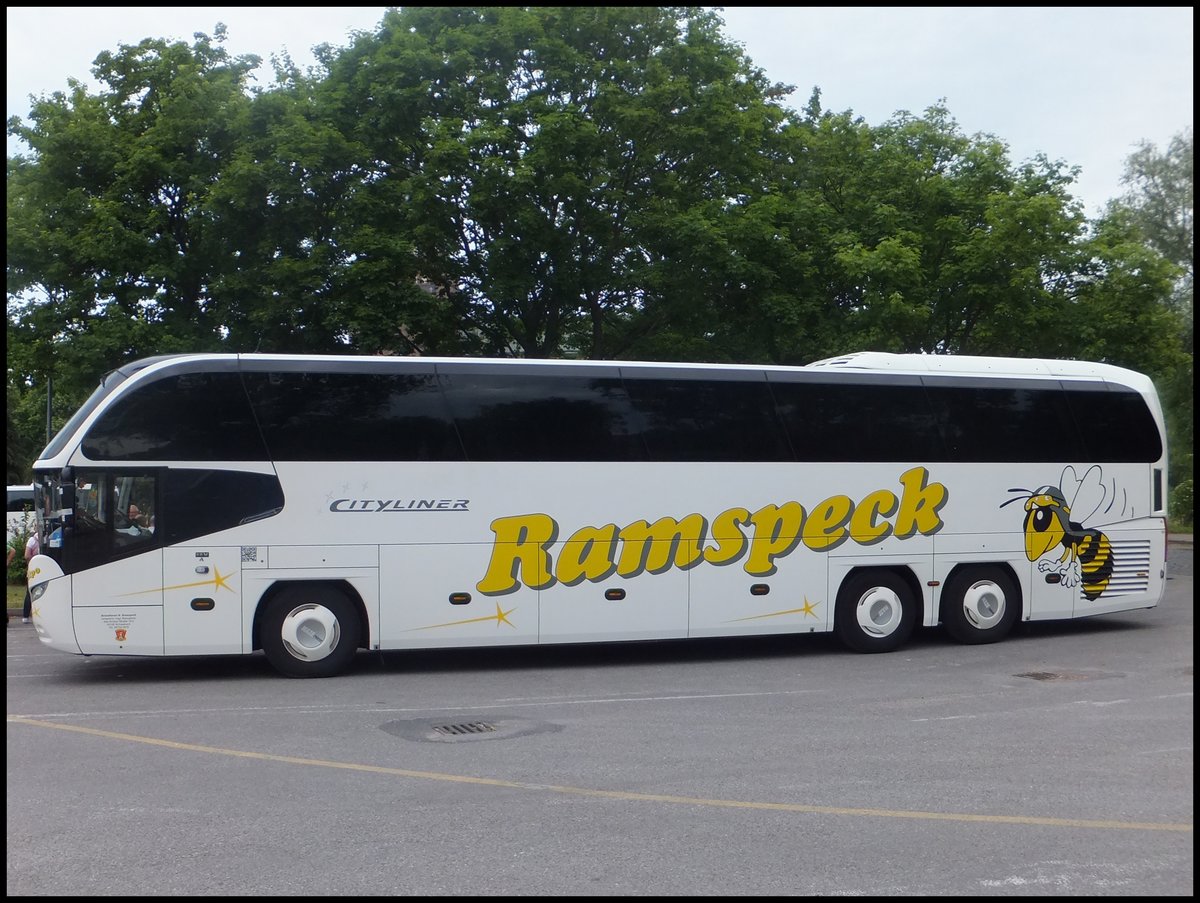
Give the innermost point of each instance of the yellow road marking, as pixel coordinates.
(612, 794)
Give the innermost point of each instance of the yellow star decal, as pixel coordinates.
(500, 617)
(217, 581)
(808, 609)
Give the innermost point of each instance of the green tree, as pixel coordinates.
(1160, 202)
(546, 181)
(908, 236)
(20, 433)
(1157, 211)
(546, 163)
(112, 248)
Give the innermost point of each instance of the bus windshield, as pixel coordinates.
(50, 513)
(92, 516)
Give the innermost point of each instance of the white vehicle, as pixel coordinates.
(20, 508)
(314, 506)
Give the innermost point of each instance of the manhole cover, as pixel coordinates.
(1055, 675)
(457, 729)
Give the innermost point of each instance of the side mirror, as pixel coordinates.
(68, 497)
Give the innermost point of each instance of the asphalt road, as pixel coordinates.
(1055, 763)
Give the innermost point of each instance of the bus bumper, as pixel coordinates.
(52, 612)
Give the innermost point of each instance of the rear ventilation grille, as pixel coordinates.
(1131, 567)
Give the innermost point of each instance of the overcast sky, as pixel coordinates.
(1083, 85)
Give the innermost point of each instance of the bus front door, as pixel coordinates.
(117, 608)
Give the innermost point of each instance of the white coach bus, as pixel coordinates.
(310, 507)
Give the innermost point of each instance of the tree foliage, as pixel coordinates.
(553, 181)
(1156, 213)
(111, 243)
(908, 236)
(1160, 201)
(543, 163)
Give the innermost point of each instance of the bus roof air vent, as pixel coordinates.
(845, 360)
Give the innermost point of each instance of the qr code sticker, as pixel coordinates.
(249, 553)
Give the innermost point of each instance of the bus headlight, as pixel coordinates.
(36, 592)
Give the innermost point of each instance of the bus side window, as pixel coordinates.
(508, 416)
(858, 420)
(708, 420)
(324, 416)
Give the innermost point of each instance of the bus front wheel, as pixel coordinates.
(310, 631)
(876, 611)
(980, 605)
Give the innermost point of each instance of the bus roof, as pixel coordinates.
(864, 361)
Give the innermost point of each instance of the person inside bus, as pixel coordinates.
(143, 519)
(136, 523)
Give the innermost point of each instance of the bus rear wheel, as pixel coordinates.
(980, 605)
(876, 611)
(310, 631)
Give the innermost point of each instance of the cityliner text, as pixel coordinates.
(376, 505)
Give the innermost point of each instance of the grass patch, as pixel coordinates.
(16, 597)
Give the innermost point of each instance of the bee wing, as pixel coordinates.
(1088, 492)
(1123, 513)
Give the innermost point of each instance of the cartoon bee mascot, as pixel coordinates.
(1087, 554)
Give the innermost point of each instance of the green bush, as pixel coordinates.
(18, 535)
(1180, 507)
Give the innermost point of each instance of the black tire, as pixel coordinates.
(310, 631)
(876, 611)
(980, 604)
